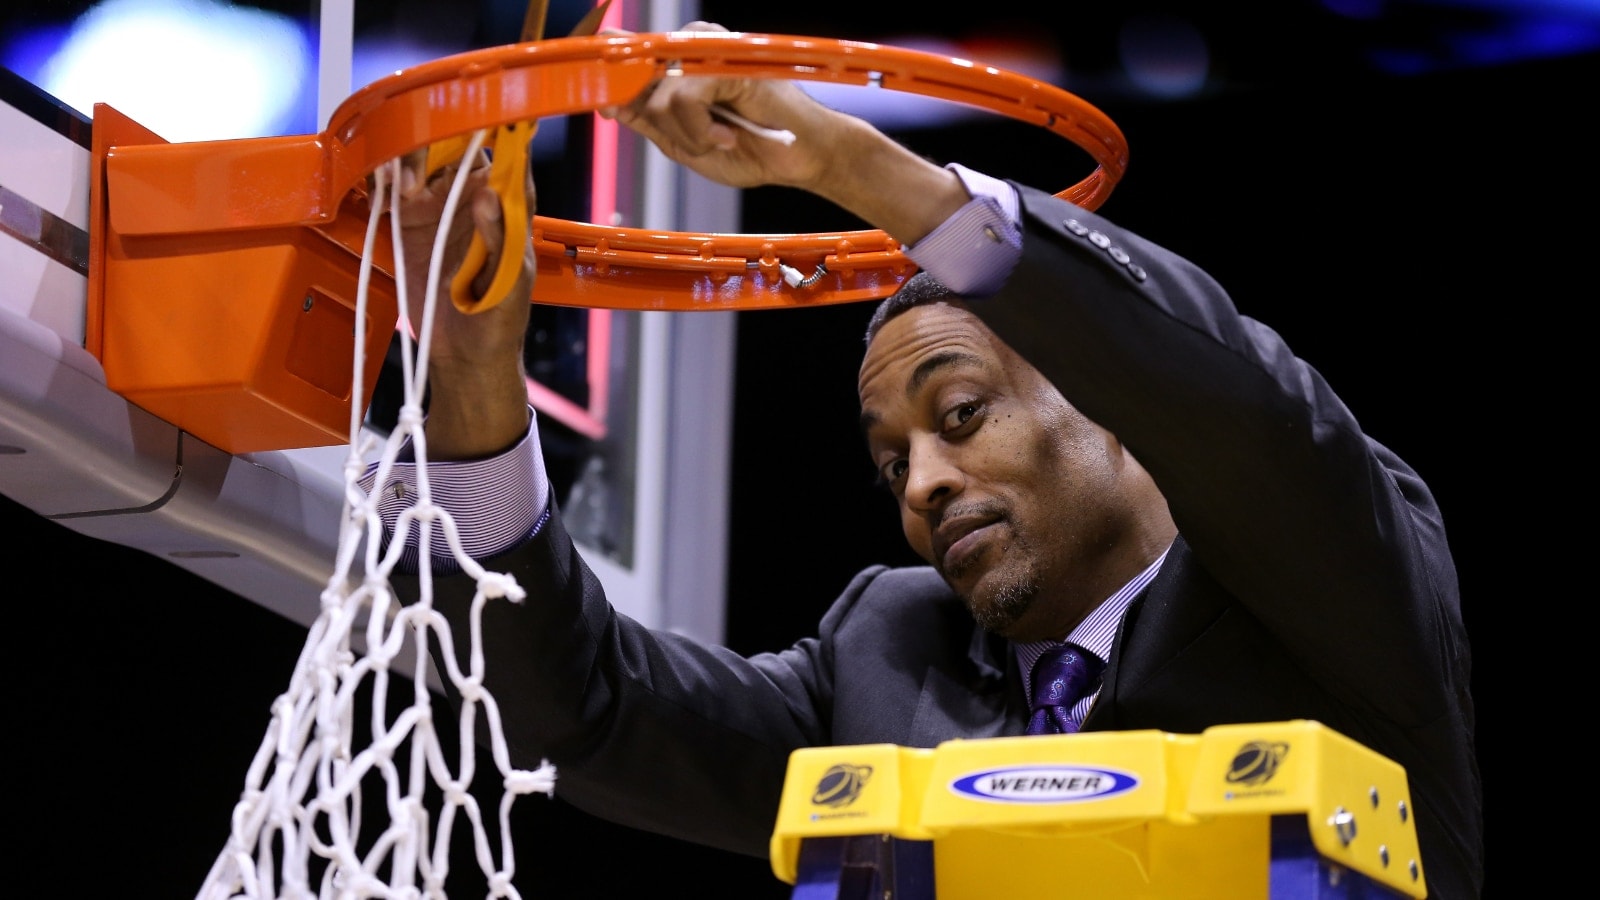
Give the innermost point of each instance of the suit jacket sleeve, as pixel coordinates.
(1324, 534)
(645, 728)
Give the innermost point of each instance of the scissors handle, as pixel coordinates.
(508, 167)
(507, 170)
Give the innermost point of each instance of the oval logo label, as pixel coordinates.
(1044, 784)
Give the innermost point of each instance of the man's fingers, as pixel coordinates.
(700, 25)
(675, 114)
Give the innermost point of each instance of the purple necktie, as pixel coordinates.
(1061, 677)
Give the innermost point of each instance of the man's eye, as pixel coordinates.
(960, 416)
(891, 472)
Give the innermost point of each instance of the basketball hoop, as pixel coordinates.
(168, 217)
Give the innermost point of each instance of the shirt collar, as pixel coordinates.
(1098, 630)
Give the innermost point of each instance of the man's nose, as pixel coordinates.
(932, 477)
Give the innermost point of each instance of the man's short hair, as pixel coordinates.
(919, 289)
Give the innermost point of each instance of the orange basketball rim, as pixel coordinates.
(242, 255)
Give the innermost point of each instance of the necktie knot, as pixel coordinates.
(1061, 677)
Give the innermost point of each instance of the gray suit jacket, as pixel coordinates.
(1312, 580)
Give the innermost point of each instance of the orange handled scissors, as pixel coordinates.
(508, 168)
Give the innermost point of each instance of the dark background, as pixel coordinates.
(1415, 229)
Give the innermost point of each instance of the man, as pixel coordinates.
(1087, 444)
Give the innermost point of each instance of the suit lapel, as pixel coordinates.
(949, 708)
(1155, 631)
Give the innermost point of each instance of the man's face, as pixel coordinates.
(1005, 488)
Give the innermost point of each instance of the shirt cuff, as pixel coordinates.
(973, 252)
(495, 502)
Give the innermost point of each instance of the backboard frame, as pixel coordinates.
(264, 524)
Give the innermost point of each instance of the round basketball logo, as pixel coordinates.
(841, 785)
(1256, 762)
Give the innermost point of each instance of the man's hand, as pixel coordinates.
(478, 402)
(677, 115)
(834, 155)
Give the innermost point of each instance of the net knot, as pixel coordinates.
(354, 467)
(522, 781)
(500, 584)
(332, 599)
(471, 690)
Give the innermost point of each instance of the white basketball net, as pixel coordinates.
(298, 829)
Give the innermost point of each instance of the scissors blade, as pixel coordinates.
(533, 20)
(507, 169)
(590, 23)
